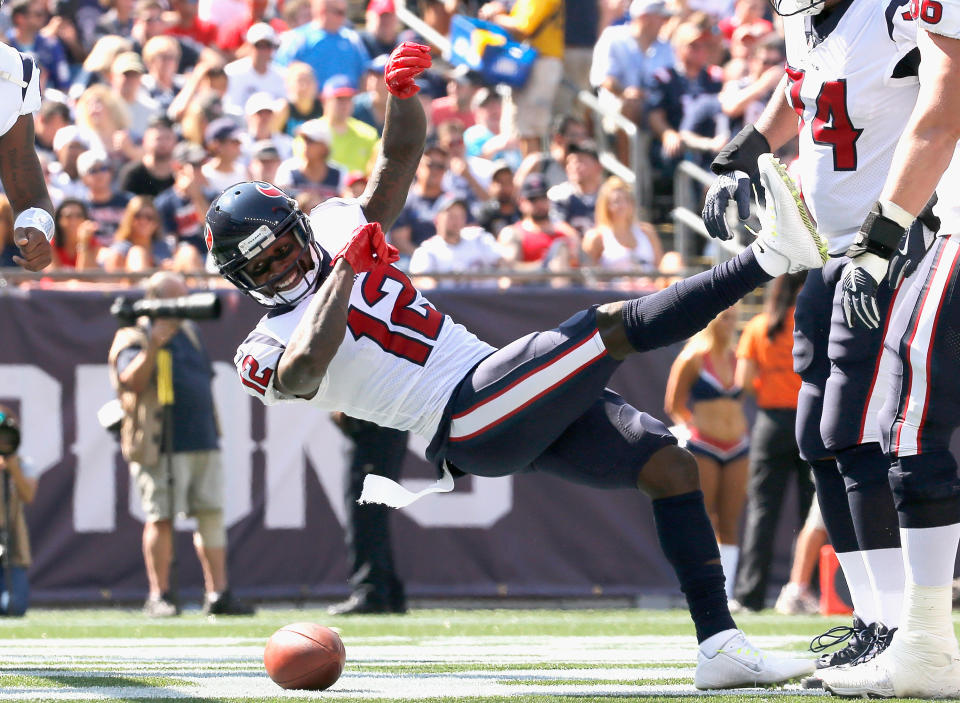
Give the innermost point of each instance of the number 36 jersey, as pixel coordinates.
(400, 359)
(852, 79)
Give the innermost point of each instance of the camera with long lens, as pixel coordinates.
(196, 306)
(9, 435)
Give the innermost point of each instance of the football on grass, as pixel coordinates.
(304, 655)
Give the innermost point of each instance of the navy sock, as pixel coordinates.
(832, 496)
(686, 307)
(865, 471)
(687, 540)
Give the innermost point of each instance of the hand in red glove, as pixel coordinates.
(406, 62)
(367, 249)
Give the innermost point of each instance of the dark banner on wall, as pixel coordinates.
(285, 477)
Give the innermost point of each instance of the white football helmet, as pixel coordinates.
(788, 8)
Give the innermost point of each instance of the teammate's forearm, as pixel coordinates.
(927, 145)
(404, 133)
(778, 121)
(318, 335)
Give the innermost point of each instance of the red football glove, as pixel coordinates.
(406, 62)
(367, 249)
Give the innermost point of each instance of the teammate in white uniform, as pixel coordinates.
(349, 332)
(852, 82)
(20, 170)
(921, 411)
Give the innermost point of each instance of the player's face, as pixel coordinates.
(278, 265)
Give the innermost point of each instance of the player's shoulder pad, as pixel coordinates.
(21, 70)
(334, 220)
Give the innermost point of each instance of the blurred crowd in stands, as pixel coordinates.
(151, 108)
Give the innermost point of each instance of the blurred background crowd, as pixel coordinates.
(151, 108)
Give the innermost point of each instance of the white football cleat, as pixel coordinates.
(915, 665)
(738, 663)
(788, 240)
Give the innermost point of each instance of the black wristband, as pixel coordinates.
(742, 152)
(878, 235)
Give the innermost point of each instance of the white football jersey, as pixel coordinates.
(854, 90)
(943, 17)
(400, 358)
(19, 86)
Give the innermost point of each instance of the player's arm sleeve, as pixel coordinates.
(904, 64)
(257, 360)
(940, 17)
(334, 221)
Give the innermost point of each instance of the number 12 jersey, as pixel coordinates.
(400, 359)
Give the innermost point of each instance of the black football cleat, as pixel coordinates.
(226, 604)
(858, 638)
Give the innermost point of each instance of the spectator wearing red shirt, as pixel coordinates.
(536, 241)
(185, 23)
(456, 104)
(232, 33)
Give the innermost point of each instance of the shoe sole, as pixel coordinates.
(857, 693)
(805, 216)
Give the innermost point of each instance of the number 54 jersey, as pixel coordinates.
(852, 80)
(400, 359)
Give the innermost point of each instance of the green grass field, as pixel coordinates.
(475, 656)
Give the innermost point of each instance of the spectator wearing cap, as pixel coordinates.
(674, 91)
(105, 204)
(379, 35)
(745, 12)
(354, 184)
(742, 47)
(138, 244)
(264, 162)
(370, 106)
(104, 118)
(224, 142)
(455, 248)
(256, 72)
(528, 110)
(116, 22)
(153, 173)
(468, 176)
(574, 201)
(96, 67)
(263, 114)
(51, 116)
(161, 56)
(183, 206)
(456, 104)
(501, 209)
(484, 139)
(537, 240)
(233, 33)
(310, 171)
(126, 75)
(68, 144)
(303, 101)
(627, 56)
(415, 223)
(352, 142)
(326, 44)
(27, 18)
(184, 22)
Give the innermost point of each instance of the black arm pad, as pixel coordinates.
(878, 235)
(926, 216)
(742, 152)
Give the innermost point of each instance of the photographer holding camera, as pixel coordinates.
(170, 438)
(18, 487)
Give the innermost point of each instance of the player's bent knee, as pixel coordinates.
(926, 489)
(211, 530)
(671, 471)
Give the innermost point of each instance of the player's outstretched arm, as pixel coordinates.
(25, 187)
(404, 132)
(922, 156)
(319, 334)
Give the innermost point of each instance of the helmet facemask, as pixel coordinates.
(789, 8)
(309, 260)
